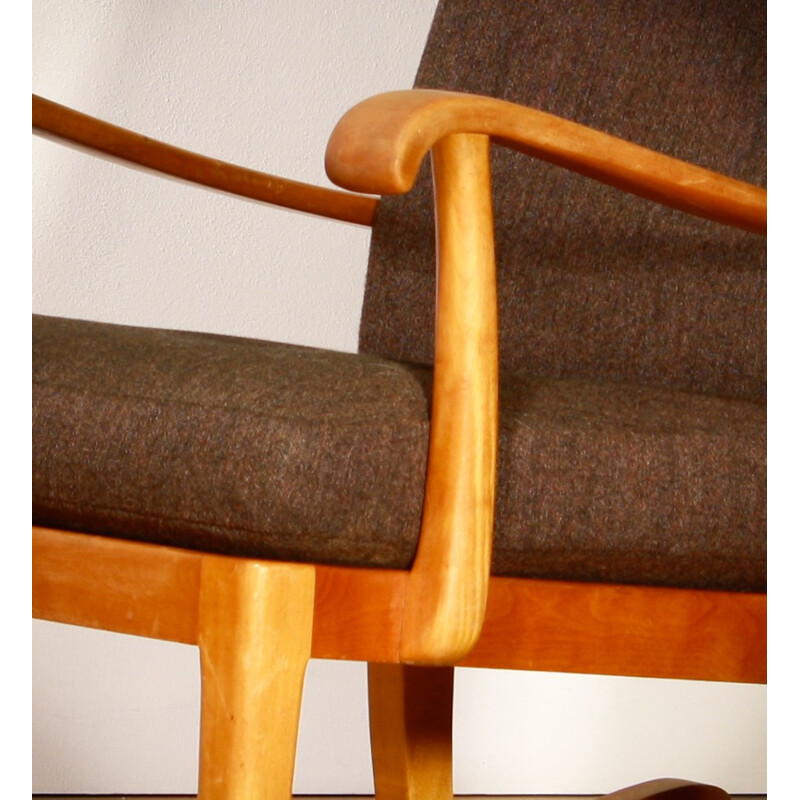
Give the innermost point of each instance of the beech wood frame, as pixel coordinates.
(257, 623)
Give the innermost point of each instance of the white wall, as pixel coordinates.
(261, 84)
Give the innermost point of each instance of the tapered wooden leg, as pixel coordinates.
(411, 725)
(255, 629)
(669, 789)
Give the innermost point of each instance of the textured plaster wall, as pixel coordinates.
(261, 84)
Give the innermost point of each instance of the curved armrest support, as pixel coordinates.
(378, 147)
(110, 140)
(447, 590)
(379, 144)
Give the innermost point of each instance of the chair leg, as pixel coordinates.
(255, 627)
(411, 726)
(669, 789)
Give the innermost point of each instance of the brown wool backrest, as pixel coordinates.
(594, 283)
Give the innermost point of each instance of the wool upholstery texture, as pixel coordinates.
(276, 451)
(593, 282)
(606, 291)
(633, 344)
(227, 444)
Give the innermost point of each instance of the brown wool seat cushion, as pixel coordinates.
(277, 451)
(226, 444)
(631, 484)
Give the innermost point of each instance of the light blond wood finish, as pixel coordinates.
(411, 728)
(607, 629)
(449, 580)
(379, 145)
(358, 614)
(116, 585)
(81, 129)
(538, 625)
(255, 641)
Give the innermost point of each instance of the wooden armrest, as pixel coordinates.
(378, 147)
(102, 137)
